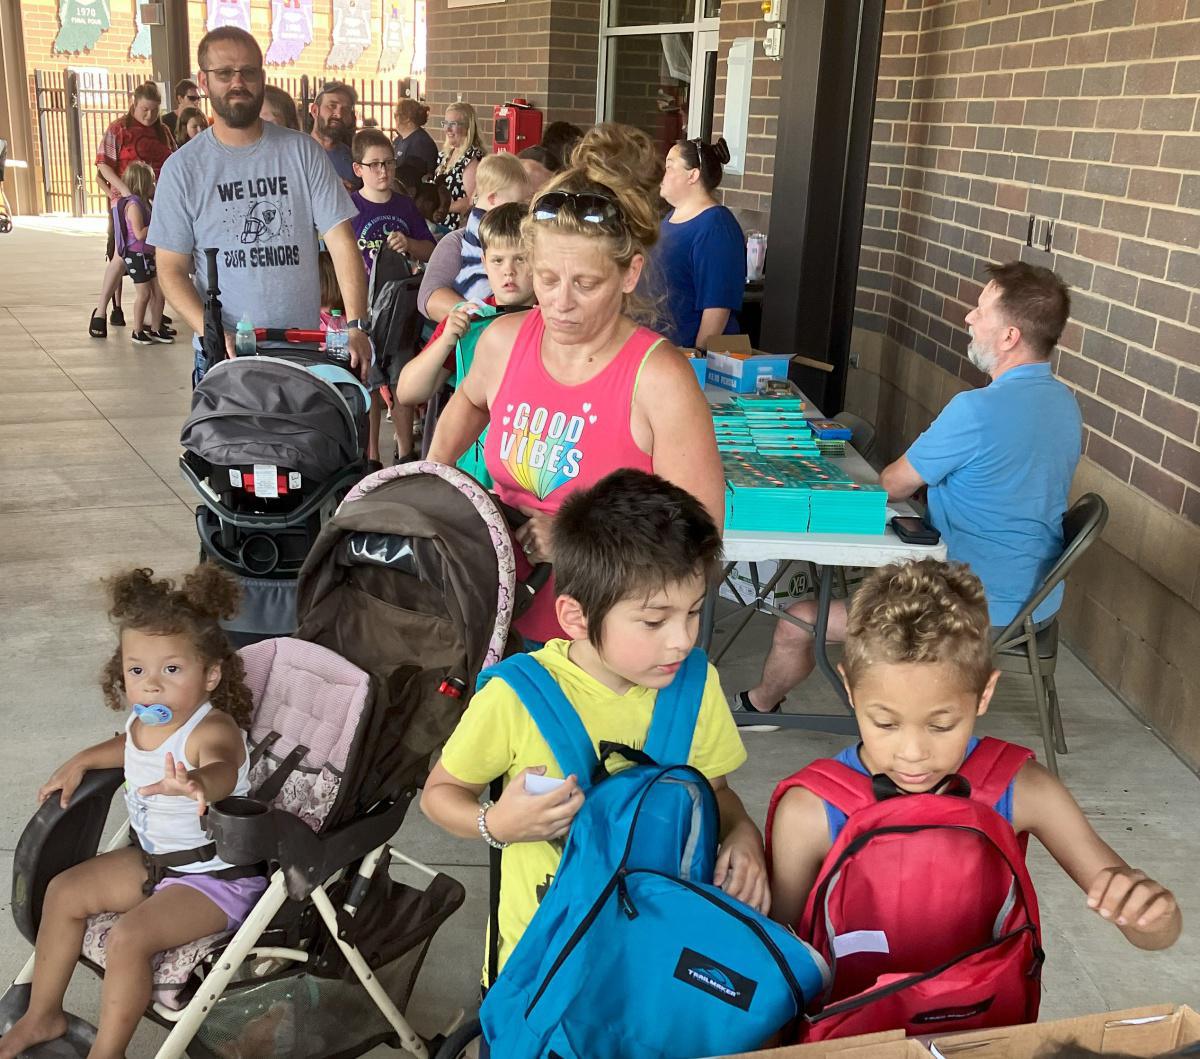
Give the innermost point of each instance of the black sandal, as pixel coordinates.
(747, 717)
(97, 327)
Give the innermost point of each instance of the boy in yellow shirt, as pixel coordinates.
(633, 556)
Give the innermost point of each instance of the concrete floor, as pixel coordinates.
(89, 484)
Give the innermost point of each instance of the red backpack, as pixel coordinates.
(923, 908)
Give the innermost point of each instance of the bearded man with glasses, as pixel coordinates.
(261, 194)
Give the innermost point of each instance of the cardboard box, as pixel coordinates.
(1147, 1031)
(733, 365)
(792, 587)
(890, 1045)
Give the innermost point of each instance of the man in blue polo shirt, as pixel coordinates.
(998, 463)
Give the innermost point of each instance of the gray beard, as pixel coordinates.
(983, 359)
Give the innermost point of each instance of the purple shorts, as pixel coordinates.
(234, 897)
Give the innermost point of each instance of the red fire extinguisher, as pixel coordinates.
(517, 125)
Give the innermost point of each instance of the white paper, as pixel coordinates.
(860, 941)
(235, 478)
(536, 784)
(265, 481)
(293, 479)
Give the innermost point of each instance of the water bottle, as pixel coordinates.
(756, 256)
(244, 342)
(337, 339)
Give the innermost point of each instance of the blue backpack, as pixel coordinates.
(632, 951)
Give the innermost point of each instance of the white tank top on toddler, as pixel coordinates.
(167, 823)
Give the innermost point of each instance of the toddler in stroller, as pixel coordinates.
(413, 579)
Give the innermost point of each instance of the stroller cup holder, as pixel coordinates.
(245, 830)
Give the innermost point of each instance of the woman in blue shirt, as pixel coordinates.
(701, 253)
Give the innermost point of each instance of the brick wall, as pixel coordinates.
(40, 26)
(749, 195)
(1084, 114)
(543, 51)
(40, 21)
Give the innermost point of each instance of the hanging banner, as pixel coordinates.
(81, 23)
(229, 13)
(393, 37)
(140, 48)
(291, 30)
(351, 32)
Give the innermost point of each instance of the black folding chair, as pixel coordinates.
(1024, 648)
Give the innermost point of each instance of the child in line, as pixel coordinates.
(451, 349)
(500, 178)
(386, 217)
(433, 202)
(131, 225)
(919, 672)
(633, 556)
(184, 747)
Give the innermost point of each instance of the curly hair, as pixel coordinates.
(926, 611)
(208, 594)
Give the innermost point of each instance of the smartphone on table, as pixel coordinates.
(912, 529)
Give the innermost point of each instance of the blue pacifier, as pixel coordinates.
(154, 714)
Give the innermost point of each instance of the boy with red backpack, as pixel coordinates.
(902, 860)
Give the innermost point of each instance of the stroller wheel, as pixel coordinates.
(457, 1045)
(5, 224)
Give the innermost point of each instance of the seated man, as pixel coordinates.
(998, 463)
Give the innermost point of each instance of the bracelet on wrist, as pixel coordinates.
(484, 833)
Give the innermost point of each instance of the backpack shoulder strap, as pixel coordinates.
(835, 783)
(829, 780)
(676, 710)
(992, 766)
(551, 711)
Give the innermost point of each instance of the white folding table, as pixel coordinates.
(827, 551)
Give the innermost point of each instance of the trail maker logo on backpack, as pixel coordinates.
(724, 983)
(633, 952)
(924, 907)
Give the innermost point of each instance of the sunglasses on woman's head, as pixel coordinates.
(587, 207)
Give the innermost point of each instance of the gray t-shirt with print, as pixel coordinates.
(262, 206)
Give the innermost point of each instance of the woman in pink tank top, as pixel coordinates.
(576, 389)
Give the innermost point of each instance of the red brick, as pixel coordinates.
(1157, 484)
(1173, 416)
(1112, 458)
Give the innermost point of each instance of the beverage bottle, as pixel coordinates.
(337, 339)
(756, 256)
(244, 342)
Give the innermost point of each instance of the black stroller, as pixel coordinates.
(271, 445)
(408, 593)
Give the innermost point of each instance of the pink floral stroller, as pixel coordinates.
(412, 581)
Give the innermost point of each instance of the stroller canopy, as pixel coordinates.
(413, 581)
(264, 410)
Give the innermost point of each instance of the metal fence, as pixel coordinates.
(74, 111)
(73, 115)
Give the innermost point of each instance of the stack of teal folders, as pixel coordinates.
(805, 494)
(847, 507)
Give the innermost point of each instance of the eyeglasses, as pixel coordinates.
(192, 99)
(454, 124)
(587, 207)
(225, 74)
(379, 167)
